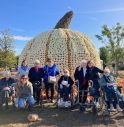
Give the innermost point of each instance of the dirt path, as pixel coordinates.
(53, 117)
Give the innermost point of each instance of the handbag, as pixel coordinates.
(51, 79)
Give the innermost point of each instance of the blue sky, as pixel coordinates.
(28, 18)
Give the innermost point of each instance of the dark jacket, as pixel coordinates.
(79, 75)
(35, 76)
(6, 82)
(65, 78)
(93, 73)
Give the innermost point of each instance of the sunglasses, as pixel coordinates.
(65, 72)
(24, 78)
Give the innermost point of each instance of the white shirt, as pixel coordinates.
(84, 70)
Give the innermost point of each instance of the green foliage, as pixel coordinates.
(105, 55)
(113, 38)
(7, 54)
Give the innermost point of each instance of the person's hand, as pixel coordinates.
(6, 88)
(61, 86)
(90, 81)
(76, 81)
(68, 85)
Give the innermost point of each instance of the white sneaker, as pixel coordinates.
(118, 108)
(97, 105)
(66, 104)
(61, 102)
(112, 109)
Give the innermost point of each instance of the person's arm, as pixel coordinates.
(99, 70)
(76, 73)
(57, 72)
(18, 70)
(30, 75)
(71, 81)
(59, 82)
(17, 93)
(31, 89)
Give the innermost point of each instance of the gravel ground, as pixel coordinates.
(53, 117)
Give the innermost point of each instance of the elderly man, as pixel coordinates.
(108, 83)
(6, 85)
(80, 75)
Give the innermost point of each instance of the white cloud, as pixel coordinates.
(103, 11)
(69, 8)
(18, 29)
(22, 38)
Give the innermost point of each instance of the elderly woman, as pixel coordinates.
(6, 85)
(36, 74)
(24, 92)
(64, 87)
(93, 75)
(23, 69)
(108, 83)
(80, 76)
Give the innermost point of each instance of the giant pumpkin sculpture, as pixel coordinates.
(65, 46)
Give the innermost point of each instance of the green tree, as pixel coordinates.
(113, 38)
(105, 55)
(7, 54)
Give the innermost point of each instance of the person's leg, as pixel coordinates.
(21, 103)
(61, 93)
(66, 93)
(38, 94)
(116, 102)
(80, 95)
(66, 96)
(34, 92)
(109, 96)
(85, 95)
(47, 90)
(31, 101)
(52, 91)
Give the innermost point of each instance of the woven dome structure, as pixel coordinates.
(66, 47)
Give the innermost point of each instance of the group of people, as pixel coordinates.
(30, 80)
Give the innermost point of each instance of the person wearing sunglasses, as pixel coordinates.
(24, 92)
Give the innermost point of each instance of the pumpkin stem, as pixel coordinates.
(64, 22)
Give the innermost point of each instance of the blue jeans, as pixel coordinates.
(22, 102)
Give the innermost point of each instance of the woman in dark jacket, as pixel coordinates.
(64, 87)
(93, 75)
(36, 75)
